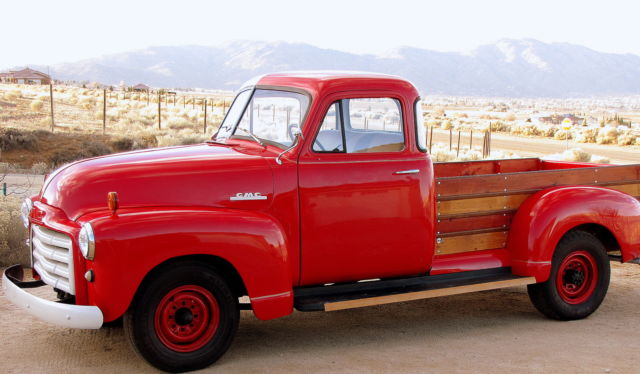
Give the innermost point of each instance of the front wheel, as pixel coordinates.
(579, 279)
(183, 319)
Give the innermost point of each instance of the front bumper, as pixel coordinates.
(67, 315)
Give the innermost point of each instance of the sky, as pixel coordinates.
(45, 32)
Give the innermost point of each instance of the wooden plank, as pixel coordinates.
(631, 189)
(531, 181)
(473, 242)
(480, 204)
(379, 300)
(448, 225)
(484, 167)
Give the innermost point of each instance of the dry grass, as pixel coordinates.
(13, 249)
(132, 123)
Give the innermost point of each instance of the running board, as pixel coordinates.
(361, 294)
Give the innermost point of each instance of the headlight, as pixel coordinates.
(25, 210)
(87, 242)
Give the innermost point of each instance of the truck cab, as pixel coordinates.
(317, 192)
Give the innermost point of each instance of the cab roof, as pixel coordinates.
(319, 83)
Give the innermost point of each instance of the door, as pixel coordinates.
(363, 195)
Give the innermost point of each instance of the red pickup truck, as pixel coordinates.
(317, 193)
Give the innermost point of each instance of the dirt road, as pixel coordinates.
(488, 332)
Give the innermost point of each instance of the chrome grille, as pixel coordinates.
(53, 258)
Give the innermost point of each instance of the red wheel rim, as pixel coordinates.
(577, 277)
(187, 318)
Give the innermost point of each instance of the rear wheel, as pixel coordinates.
(183, 319)
(579, 279)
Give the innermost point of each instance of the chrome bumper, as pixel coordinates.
(67, 315)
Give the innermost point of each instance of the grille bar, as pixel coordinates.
(53, 258)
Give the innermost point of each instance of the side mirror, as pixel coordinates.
(295, 132)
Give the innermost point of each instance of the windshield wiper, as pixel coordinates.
(252, 135)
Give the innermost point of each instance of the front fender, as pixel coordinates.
(132, 243)
(545, 217)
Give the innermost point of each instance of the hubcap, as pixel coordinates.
(577, 277)
(187, 318)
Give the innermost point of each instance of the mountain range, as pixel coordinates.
(510, 68)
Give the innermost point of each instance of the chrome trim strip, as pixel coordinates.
(412, 171)
(283, 294)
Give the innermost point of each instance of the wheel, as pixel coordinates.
(183, 319)
(579, 279)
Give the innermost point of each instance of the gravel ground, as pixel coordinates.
(487, 332)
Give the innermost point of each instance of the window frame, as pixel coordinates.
(339, 120)
(420, 122)
(342, 116)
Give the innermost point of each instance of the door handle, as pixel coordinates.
(412, 171)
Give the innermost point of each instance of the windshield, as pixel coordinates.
(270, 115)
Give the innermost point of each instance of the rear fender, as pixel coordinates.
(544, 218)
(131, 244)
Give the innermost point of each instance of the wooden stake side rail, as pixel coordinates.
(474, 212)
(453, 188)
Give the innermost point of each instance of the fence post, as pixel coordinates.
(458, 148)
(51, 99)
(159, 112)
(104, 113)
(450, 138)
(205, 116)
(471, 140)
(430, 138)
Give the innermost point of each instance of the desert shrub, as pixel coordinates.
(563, 135)
(39, 168)
(510, 117)
(626, 137)
(13, 249)
(36, 105)
(587, 135)
(144, 142)
(12, 139)
(12, 95)
(86, 150)
(607, 135)
(194, 139)
(500, 126)
(122, 144)
(179, 123)
(93, 149)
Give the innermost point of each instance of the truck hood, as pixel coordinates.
(203, 175)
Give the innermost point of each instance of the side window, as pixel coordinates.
(373, 125)
(329, 138)
(361, 126)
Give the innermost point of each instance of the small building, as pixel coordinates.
(5, 77)
(556, 119)
(25, 76)
(141, 88)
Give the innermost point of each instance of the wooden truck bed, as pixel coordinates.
(476, 200)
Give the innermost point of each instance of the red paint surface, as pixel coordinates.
(544, 218)
(327, 217)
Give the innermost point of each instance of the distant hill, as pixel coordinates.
(516, 68)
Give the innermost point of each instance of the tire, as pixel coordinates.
(183, 319)
(578, 281)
